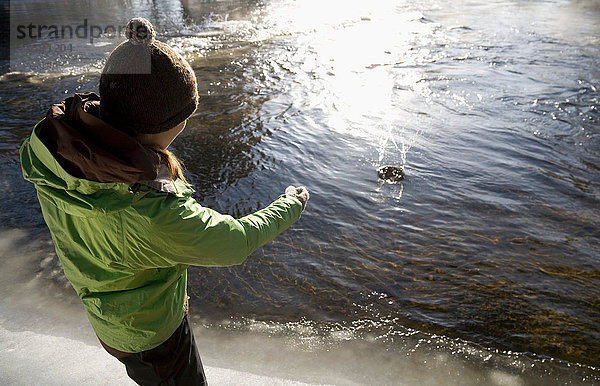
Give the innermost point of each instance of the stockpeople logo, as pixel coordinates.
(58, 37)
(67, 32)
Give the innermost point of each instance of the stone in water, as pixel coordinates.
(391, 173)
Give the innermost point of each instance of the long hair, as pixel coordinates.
(173, 163)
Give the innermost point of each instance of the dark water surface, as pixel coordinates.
(491, 241)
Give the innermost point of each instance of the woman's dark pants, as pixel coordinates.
(175, 362)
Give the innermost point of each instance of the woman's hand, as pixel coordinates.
(300, 193)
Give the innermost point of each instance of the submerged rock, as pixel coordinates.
(391, 173)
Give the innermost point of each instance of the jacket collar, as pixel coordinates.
(89, 148)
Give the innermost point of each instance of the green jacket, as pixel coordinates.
(126, 247)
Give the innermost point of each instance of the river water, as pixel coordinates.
(486, 256)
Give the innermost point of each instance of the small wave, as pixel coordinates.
(570, 272)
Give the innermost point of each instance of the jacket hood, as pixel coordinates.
(87, 147)
(86, 166)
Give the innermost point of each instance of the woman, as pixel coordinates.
(120, 212)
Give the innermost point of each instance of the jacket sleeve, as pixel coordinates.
(184, 232)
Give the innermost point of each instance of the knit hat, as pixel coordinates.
(146, 87)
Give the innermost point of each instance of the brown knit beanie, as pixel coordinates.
(145, 86)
